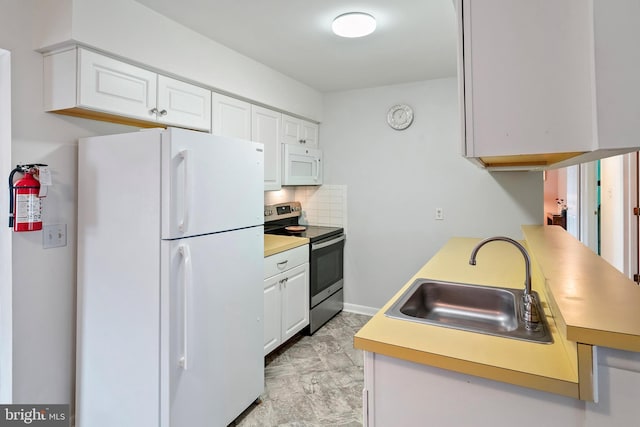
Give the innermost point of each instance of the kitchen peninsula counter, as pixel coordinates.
(547, 367)
(595, 303)
(274, 244)
(588, 304)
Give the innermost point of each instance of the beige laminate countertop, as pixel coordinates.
(595, 303)
(274, 244)
(587, 303)
(547, 367)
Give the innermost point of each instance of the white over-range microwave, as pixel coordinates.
(301, 165)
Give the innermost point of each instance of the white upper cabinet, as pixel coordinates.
(548, 82)
(265, 128)
(109, 85)
(183, 104)
(299, 132)
(84, 83)
(231, 117)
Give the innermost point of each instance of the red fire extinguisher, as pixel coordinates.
(25, 206)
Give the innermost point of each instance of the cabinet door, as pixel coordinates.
(299, 132)
(295, 301)
(272, 313)
(265, 128)
(291, 130)
(527, 77)
(231, 117)
(310, 134)
(183, 104)
(113, 86)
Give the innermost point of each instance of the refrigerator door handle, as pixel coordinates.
(186, 282)
(183, 224)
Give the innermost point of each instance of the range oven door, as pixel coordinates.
(327, 268)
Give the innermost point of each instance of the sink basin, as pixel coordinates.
(474, 308)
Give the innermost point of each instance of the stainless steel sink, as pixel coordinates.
(474, 308)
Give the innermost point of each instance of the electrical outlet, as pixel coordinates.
(54, 236)
(439, 213)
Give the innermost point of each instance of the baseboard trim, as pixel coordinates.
(360, 309)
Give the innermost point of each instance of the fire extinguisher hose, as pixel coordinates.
(13, 172)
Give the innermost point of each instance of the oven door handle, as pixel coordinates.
(315, 246)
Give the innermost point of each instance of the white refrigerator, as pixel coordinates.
(170, 266)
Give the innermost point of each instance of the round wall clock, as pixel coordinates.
(400, 116)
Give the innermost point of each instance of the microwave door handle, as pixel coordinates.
(317, 160)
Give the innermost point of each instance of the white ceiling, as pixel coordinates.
(415, 39)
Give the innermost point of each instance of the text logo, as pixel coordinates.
(34, 415)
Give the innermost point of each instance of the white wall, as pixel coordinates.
(572, 200)
(396, 180)
(133, 31)
(6, 328)
(43, 280)
(551, 192)
(612, 215)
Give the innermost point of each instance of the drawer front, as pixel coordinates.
(286, 260)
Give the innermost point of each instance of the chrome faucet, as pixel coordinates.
(530, 314)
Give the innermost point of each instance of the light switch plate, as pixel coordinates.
(54, 236)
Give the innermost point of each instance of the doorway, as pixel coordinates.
(602, 199)
(609, 221)
(6, 324)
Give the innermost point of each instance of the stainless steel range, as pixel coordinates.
(326, 259)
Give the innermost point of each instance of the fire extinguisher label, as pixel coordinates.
(28, 208)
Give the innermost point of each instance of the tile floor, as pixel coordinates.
(313, 381)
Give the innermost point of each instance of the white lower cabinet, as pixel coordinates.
(403, 393)
(286, 297)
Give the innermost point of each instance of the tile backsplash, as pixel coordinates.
(285, 194)
(324, 205)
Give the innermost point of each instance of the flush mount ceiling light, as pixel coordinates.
(354, 24)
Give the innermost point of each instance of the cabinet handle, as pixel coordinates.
(153, 112)
(282, 264)
(163, 113)
(302, 141)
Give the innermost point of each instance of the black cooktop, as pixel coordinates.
(282, 215)
(314, 233)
